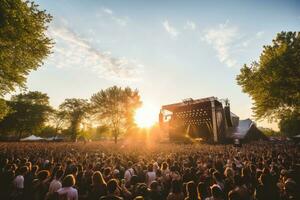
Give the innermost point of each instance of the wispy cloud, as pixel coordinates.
(106, 12)
(72, 50)
(170, 29)
(190, 25)
(222, 38)
(259, 34)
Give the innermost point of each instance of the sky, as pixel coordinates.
(168, 50)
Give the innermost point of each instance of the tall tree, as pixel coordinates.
(29, 112)
(76, 111)
(115, 107)
(58, 120)
(23, 43)
(273, 82)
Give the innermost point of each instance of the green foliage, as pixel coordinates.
(115, 107)
(269, 132)
(48, 131)
(58, 120)
(29, 112)
(273, 82)
(290, 124)
(75, 111)
(23, 42)
(4, 109)
(101, 132)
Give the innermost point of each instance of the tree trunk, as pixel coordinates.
(116, 139)
(19, 135)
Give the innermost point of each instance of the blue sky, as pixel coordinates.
(168, 50)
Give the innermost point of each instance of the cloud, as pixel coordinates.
(108, 13)
(259, 34)
(71, 50)
(222, 39)
(190, 25)
(171, 30)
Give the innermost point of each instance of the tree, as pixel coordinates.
(290, 124)
(115, 107)
(273, 82)
(58, 120)
(23, 43)
(29, 112)
(76, 111)
(4, 109)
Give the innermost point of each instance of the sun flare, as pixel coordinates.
(146, 116)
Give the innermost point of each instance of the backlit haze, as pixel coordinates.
(168, 50)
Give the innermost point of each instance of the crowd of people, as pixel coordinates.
(137, 171)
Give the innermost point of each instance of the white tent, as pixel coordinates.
(32, 138)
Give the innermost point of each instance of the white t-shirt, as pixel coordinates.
(71, 193)
(19, 182)
(151, 176)
(55, 185)
(128, 174)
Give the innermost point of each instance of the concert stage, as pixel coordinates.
(208, 119)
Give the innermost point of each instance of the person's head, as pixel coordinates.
(74, 170)
(164, 166)
(42, 175)
(290, 187)
(107, 171)
(154, 186)
(129, 164)
(142, 190)
(176, 187)
(216, 192)
(68, 181)
(112, 186)
(191, 189)
(217, 176)
(201, 188)
(263, 179)
(97, 178)
(234, 195)
(29, 165)
(228, 172)
(23, 170)
(35, 168)
(150, 167)
(59, 174)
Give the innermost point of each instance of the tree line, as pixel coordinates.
(111, 110)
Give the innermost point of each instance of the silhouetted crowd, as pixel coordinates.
(105, 171)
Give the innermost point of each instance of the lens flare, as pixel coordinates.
(146, 116)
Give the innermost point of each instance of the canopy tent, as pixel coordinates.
(55, 138)
(297, 136)
(32, 138)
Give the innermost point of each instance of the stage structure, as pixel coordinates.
(205, 119)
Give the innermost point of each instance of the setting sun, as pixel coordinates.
(146, 116)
